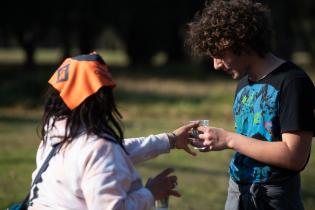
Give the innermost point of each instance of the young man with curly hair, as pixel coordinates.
(273, 106)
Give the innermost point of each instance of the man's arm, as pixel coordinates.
(290, 153)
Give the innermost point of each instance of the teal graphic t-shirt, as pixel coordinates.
(265, 109)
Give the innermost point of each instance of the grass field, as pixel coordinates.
(149, 105)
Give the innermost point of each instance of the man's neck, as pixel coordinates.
(260, 67)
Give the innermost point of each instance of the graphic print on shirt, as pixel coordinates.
(255, 108)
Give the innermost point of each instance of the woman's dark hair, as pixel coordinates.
(236, 25)
(97, 115)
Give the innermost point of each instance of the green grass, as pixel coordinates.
(149, 105)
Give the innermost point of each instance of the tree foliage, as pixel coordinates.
(145, 27)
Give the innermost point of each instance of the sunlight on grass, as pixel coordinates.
(149, 106)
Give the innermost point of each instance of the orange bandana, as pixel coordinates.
(79, 77)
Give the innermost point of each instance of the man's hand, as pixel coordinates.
(214, 139)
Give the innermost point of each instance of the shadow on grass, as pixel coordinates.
(308, 185)
(16, 160)
(18, 120)
(152, 97)
(18, 86)
(186, 169)
(308, 194)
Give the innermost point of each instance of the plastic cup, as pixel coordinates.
(161, 204)
(195, 132)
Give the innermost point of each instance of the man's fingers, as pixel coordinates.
(197, 142)
(202, 128)
(201, 136)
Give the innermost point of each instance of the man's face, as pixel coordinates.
(231, 63)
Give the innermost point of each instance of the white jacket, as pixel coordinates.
(95, 174)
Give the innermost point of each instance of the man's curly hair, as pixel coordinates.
(237, 25)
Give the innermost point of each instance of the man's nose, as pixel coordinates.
(217, 63)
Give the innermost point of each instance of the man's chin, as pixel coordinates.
(234, 75)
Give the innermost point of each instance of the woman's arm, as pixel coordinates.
(145, 148)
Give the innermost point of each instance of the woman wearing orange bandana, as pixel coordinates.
(93, 167)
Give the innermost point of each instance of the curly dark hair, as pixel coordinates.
(237, 25)
(97, 114)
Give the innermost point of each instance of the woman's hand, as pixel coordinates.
(163, 185)
(181, 137)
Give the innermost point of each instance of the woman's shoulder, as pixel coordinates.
(89, 143)
(101, 155)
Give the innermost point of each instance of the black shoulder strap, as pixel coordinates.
(45, 164)
(43, 168)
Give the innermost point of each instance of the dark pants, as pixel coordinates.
(281, 196)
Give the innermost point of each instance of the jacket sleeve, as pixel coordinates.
(110, 182)
(145, 148)
(107, 191)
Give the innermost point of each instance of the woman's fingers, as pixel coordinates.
(166, 172)
(174, 193)
(188, 150)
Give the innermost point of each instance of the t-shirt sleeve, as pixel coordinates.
(297, 104)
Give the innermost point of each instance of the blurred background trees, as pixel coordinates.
(140, 28)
